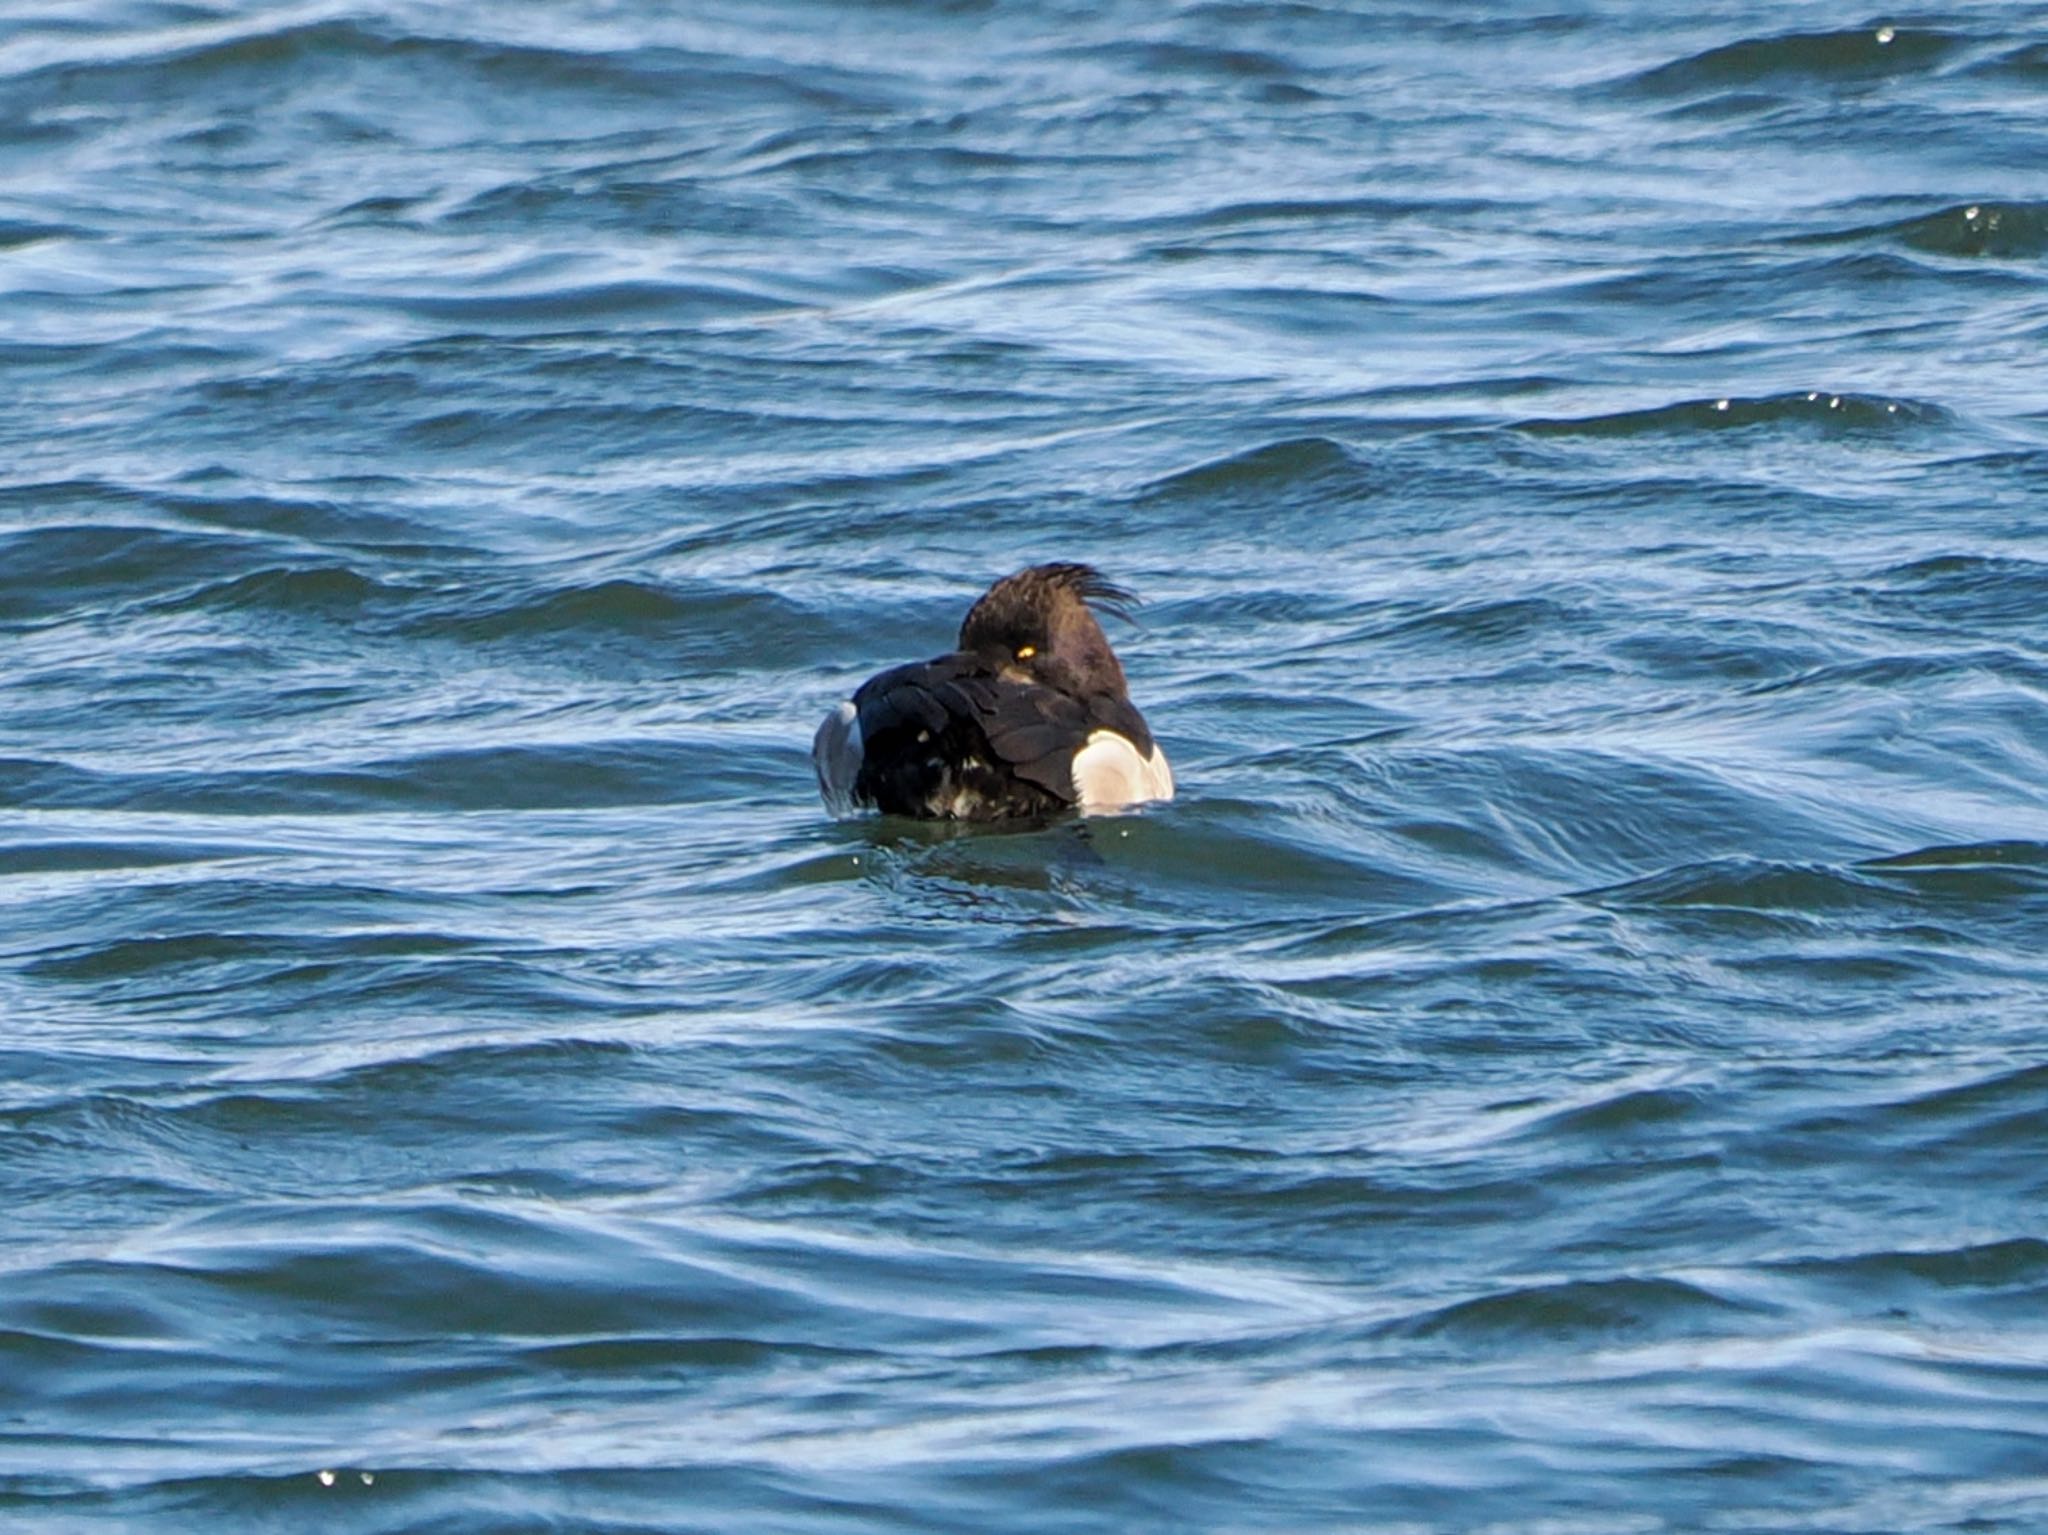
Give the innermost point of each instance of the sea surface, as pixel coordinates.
(1574, 1057)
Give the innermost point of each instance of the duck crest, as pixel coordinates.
(1050, 611)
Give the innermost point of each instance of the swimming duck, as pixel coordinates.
(1030, 715)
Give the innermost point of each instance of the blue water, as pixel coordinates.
(1573, 1058)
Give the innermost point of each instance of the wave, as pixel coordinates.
(1966, 592)
(75, 571)
(2027, 64)
(1163, 59)
(1503, 621)
(66, 857)
(1747, 883)
(688, 611)
(1974, 855)
(587, 775)
(2016, 231)
(17, 234)
(1800, 60)
(122, 958)
(2017, 1265)
(296, 590)
(250, 551)
(558, 309)
(349, 524)
(1990, 875)
(536, 1275)
(115, 73)
(1985, 1109)
(1573, 1314)
(1811, 409)
(1314, 212)
(47, 572)
(1291, 462)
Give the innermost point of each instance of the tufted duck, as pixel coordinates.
(1028, 716)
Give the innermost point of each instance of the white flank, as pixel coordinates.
(1109, 774)
(836, 753)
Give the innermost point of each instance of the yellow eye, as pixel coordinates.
(1026, 652)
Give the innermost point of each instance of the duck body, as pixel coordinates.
(1028, 717)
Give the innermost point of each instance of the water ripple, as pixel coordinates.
(1568, 1057)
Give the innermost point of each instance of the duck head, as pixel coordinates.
(1039, 625)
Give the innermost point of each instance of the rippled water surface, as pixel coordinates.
(1574, 1057)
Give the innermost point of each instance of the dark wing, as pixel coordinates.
(950, 738)
(1107, 711)
(1036, 731)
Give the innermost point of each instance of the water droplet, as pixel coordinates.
(368, 1479)
(1971, 212)
(1885, 35)
(1835, 403)
(1720, 405)
(1814, 396)
(1891, 410)
(326, 1478)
